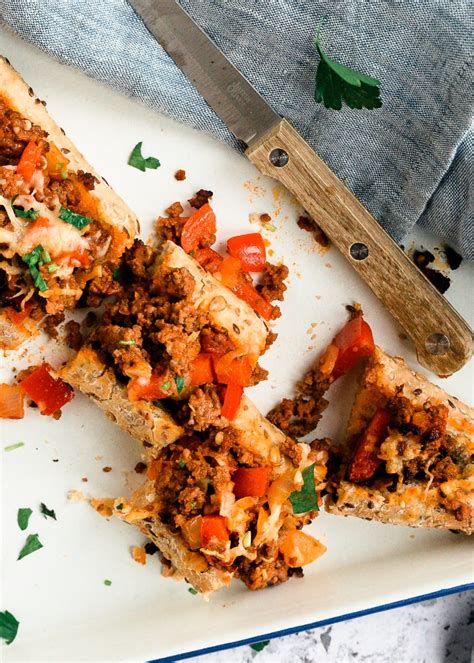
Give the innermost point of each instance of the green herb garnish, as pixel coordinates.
(32, 544)
(119, 507)
(26, 213)
(47, 513)
(270, 227)
(52, 267)
(76, 220)
(305, 499)
(35, 259)
(131, 342)
(181, 463)
(336, 83)
(12, 447)
(258, 646)
(166, 386)
(8, 626)
(107, 583)
(116, 274)
(180, 383)
(23, 517)
(193, 591)
(137, 160)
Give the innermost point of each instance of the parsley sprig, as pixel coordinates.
(8, 626)
(336, 83)
(35, 259)
(306, 498)
(137, 160)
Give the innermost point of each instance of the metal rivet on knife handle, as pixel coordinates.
(279, 157)
(437, 344)
(359, 251)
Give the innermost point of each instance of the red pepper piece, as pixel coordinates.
(213, 527)
(156, 388)
(49, 393)
(209, 259)
(233, 369)
(202, 371)
(29, 161)
(354, 341)
(232, 397)
(201, 225)
(250, 250)
(365, 461)
(251, 481)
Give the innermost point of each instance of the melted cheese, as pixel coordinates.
(58, 237)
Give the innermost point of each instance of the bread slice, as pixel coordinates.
(424, 464)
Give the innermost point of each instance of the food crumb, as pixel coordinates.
(55, 460)
(402, 336)
(98, 457)
(180, 175)
(139, 554)
(140, 467)
(76, 496)
(106, 469)
(306, 223)
(85, 479)
(265, 218)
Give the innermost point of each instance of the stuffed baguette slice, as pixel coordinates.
(155, 361)
(230, 502)
(62, 228)
(409, 458)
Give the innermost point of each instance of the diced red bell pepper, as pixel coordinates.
(201, 225)
(49, 393)
(232, 397)
(354, 341)
(365, 461)
(156, 388)
(18, 317)
(11, 401)
(78, 257)
(251, 481)
(29, 161)
(232, 277)
(202, 371)
(250, 250)
(209, 259)
(56, 162)
(213, 527)
(233, 369)
(215, 343)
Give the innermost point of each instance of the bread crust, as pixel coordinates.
(145, 422)
(415, 505)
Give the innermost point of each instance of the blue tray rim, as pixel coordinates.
(323, 622)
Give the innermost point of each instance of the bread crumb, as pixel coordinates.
(139, 554)
(106, 469)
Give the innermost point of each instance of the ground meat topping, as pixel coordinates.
(205, 409)
(201, 198)
(271, 285)
(15, 133)
(73, 335)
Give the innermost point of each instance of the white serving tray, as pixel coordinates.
(66, 612)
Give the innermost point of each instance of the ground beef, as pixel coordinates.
(205, 409)
(271, 284)
(124, 344)
(90, 319)
(445, 469)
(175, 209)
(87, 179)
(201, 198)
(216, 341)
(180, 346)
(51, 323)
(260, 574)
(180, 175)
(311, 226)
(101, 287)
(258, 375)
(15, 133)
(170, 228)
(179, 283)
(138, 258)
(73, 335)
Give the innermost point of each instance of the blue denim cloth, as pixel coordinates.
(409, 161)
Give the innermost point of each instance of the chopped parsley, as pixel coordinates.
(166, 386)
(116, 274)
(8, 626)
(131, 342)
(36, 259)
(31, 545)
(258, 646)
(180, 383)
(12, 447)
(336, 83)
(305, 499)
(47, 513)
(137, 160)
(76, 220)
(23, 517)
(119, 507)
(192, 591)
(26, 213)
(181, 463)
(107, 583)
(52, 267)
(270, 227)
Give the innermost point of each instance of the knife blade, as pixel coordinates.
(443, 340)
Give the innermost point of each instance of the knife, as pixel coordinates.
(443, 340)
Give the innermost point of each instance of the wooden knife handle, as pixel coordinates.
(443, 340)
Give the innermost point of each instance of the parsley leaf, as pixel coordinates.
(76, 220)
(32, 544)
(47, 513)
(336, 83)
(8, 626)
(179, 381)
(35, 259)
(107, 583)
(26, 213)
(166, 386)
(23, 517)
(12, 447)
(130, 342)
(137, 160)
(258, 646)
(305, 499)
(193, 591)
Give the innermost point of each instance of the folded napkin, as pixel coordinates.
(409, 161)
